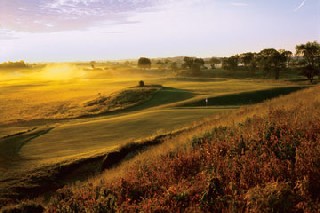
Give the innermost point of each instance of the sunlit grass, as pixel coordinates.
(258, 158)
(55, 96)
(58, 91)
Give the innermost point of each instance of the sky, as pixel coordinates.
(84, 30)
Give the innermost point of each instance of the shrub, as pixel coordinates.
(141, 83)
(273, 197)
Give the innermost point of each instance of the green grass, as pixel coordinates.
(39, 104)
(261, 158)
(99, 134)
(245, 97)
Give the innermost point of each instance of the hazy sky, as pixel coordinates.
(69, 30)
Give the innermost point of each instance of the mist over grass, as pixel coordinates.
(87, 110)
(41, 73)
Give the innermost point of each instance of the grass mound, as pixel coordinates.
(120, 100)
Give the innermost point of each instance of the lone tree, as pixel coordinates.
(271, 60)
(144, 63)
(311, 58)
(141, 83)
(93, 64)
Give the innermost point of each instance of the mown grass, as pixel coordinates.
(29, 103)
(28, 99)
(263, 158)
(251, 97)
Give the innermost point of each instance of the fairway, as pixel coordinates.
(159, 106)
(46, 123)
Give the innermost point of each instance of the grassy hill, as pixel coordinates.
(58, 132)
(260, 158)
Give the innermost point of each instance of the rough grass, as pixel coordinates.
(119, 100)
(263, 158)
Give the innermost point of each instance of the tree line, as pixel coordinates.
(9, 64)
(269, 61)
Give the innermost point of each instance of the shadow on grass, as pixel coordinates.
(245, 97)
(165, 95)
(10, 145)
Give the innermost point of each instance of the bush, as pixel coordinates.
(141, 83)
(273, 197)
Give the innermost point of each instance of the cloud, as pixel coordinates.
(67, 15)
(300, 5)
(238, 4)
(71, 15)
(7, 34)
(71, 3)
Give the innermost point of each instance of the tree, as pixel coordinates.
(174, 66)
(144, 63)
(311, 58)
(141, 83)
(248, 60)
(287, 55)
(93, 64)
(230, 63)
(194, 64)
(14, 65)
(213, 61)
(271, 61)
(195, 69)
(199, 61)
(188, 61)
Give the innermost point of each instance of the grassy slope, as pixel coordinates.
(260, 158)
(83, 137)
(43, 99)
(89, 136)
(103, 134)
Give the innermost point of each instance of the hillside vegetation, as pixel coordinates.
(119, 100)
(262, 158)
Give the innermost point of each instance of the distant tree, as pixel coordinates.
(141, 83)
(93, 64)
(271, 61)
(213, 61)
(311, 58)
(159, 62)
(199, 61)
(144, 63)
(174, 66)
(14, 65)
(195, 69)
(230, 63)
(193, 64)
(287, 56)
(167, 61)
(248, 60)
(188, 61)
